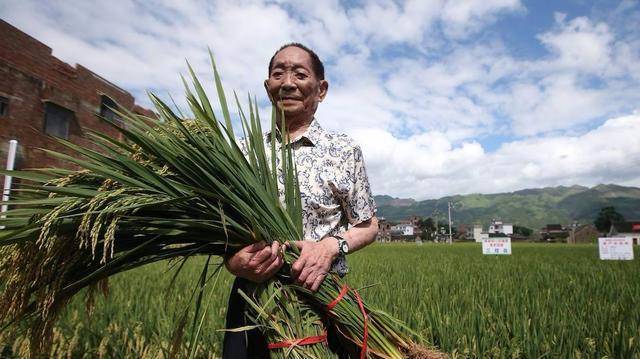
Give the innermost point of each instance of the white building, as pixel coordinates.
(496, 227)
(500, 227)
(477, 232)
(627, 229)
(407, 229)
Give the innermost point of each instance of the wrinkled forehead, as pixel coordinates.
(291, 58)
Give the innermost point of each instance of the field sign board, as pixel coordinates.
(498, 245)
(616, 248)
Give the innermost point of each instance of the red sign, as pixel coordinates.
(635, 227)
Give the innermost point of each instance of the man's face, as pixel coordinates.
(293, 86)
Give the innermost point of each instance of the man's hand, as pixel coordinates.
(257, 262)
(314, 262)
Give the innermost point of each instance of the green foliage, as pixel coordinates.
(444, 226)
(522, 231)
(428, 228)
(606, 217)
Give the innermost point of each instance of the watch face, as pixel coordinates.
(345, 247)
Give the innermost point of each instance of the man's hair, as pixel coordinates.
(316, 64)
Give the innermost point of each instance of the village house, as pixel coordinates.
(553, 232)
(406, 230)
(628, 229)
(43, 98)
(497, 228)
(479, 234)
(403, 229)
(384, 230)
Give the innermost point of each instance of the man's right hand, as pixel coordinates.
(257, 262)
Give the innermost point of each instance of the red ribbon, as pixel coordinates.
(343, 292)
(363, 352)
(298, 342)
(323, 338)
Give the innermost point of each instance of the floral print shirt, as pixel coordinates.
(334, 187)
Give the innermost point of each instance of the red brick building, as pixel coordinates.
(42, 97)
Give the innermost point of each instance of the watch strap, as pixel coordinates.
(341, 244)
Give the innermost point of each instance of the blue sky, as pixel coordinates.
(444, 96)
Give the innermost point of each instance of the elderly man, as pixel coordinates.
(338, 208)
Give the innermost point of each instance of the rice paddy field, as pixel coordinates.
(542, 301)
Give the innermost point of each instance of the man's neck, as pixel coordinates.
(296, 127)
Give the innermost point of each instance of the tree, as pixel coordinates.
(522, 231)
(427, 227)
(606, 217)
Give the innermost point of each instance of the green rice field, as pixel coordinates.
(542, 301)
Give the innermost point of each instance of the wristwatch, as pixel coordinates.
(343, 245)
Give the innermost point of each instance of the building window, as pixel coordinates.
(4, 106)
(57, 120)
(107, 108)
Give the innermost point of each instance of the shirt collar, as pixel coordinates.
(311, 136)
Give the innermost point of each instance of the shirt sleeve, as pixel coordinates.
(360, 205)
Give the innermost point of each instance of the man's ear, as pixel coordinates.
(266, 88)
(324, 88)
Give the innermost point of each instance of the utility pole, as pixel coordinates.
(450, 233)
(6, 190)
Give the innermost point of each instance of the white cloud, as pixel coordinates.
(430, 166)
(585, 77)
(388, 22)
(580, 45)
(461, 18)
(555, 103)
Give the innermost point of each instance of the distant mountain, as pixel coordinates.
(385, 200)
(532, 208)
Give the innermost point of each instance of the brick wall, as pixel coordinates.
(30, 76)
